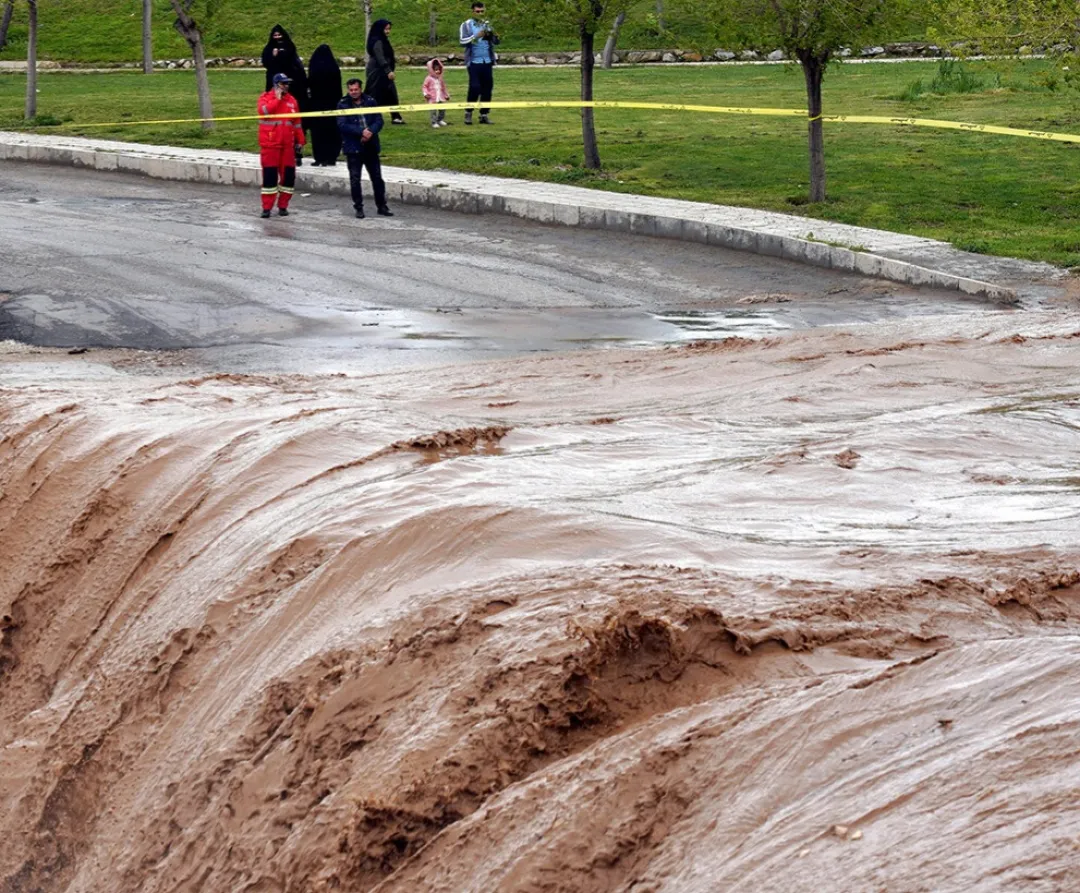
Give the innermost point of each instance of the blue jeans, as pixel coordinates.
(357, 161)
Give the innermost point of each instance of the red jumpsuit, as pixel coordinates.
(277, 153)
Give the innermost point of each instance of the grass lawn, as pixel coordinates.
(111, 30)
(991, 194)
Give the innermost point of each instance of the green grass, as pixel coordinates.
(992, 194)
(111, 30)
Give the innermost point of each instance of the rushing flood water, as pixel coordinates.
(789, 612)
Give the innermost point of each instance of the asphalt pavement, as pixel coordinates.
(103, 260)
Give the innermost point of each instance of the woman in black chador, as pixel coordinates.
(325, 92)
(380, 68)
(279, 56)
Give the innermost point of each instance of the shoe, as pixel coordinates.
(397, 121)
(283, 212)
(385, 212)
(436, 126)
(444, 123)
(468, 117)
(484, 119)
(265, 215)
(360, 215)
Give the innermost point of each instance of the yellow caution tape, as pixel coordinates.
(452, 106)
(646, 106)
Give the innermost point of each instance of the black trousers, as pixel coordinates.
(481, 83)
(357, 161)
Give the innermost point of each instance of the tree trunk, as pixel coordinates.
(189, 30)
(31, 62)
(813, 67)
(660, 15)
(147, 37)
(5, 22)
(612, 39)
(588, 116)
(433, 27)
(367, 26)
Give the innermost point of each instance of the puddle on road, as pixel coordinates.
(246, 336)
(529, 331)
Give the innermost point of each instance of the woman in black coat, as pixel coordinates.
(380, 68)
(324, 92)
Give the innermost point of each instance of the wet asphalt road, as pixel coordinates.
(113, 260)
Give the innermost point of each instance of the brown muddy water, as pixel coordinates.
(799, 613)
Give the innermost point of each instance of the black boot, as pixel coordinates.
(385, 212)
(360, 215)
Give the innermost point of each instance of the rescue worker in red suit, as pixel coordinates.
(277, 139)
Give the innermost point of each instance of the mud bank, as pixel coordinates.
(794, 614)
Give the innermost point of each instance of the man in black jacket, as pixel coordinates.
(360, 143)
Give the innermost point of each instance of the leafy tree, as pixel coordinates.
(1005, 26)
(189, 29)
(811, 32)
(588, 17)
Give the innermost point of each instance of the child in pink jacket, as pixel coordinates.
(435, 92)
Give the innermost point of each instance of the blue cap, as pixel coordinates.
(282, 79)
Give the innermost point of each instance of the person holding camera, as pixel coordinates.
(278, 139)
(479, 40)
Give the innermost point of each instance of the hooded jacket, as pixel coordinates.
(435, 89)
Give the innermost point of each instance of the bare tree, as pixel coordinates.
(147, 37)
(31, 62)
(366, 4)
(433, 26)
(660, 15)
(5, 22)
(589, 17)
(189, 30)
(613, 39)
(587, 31)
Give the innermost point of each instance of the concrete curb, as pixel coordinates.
(818, 243)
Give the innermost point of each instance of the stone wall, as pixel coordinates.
(622, 57)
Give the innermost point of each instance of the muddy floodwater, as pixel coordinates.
(792, 613)
(460, 555)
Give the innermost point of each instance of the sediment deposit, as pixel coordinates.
(789, 615)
